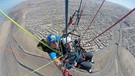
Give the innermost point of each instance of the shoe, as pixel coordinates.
(67, 73)
(90, 71)
(92, 62)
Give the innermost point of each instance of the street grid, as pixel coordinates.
(51, 19)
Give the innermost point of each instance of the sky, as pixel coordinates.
(127, 3)
(7, 4)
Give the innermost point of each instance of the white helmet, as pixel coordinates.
(64, 40)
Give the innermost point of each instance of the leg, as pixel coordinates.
(89, 56)
(86, 65)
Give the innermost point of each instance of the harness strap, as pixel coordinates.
(84, 57)
(78, 66)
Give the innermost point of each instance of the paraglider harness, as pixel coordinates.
(70, 57)
(81, 52)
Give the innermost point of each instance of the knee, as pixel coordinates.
(89, 54)
(86, 65)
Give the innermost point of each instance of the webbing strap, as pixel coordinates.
(111, 26)
(84, 57)
(94, 17)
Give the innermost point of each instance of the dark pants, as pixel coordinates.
(88, 55)
(86, 65)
